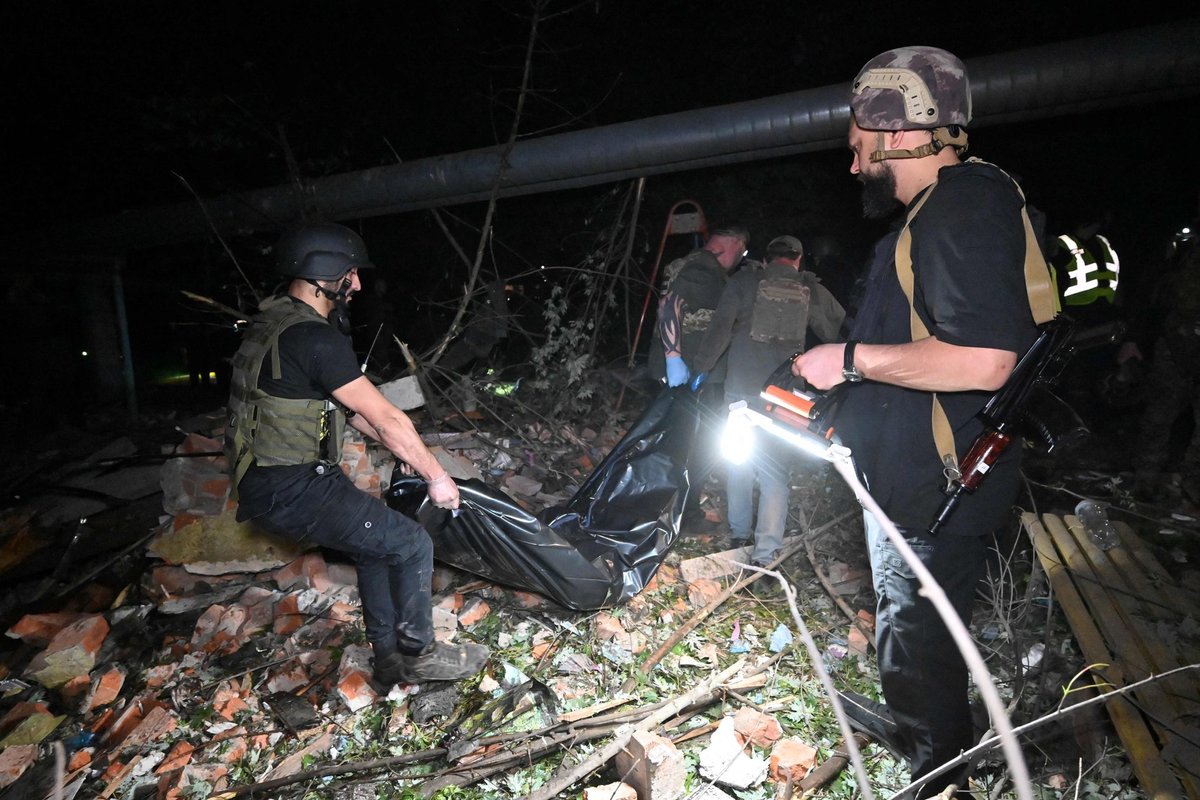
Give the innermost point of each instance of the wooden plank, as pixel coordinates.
(1138, 603)
(1179, 597)
(1112, 599)
(1156, 778)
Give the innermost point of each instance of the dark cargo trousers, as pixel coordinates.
(393, 554)
(924, 677)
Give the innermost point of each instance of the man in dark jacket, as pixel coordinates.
(762, 319)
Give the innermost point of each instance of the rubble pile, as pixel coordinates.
(236, 663)
(238, 658)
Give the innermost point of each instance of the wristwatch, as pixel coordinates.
(850, 372)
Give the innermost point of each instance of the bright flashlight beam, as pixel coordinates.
(739, 429)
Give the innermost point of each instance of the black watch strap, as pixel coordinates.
(849, 372)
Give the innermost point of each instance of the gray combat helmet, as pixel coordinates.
(911, 88)
(321, 251)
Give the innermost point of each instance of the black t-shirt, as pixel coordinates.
(968, 250)
(314, 361)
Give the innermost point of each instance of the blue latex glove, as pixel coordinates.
(698, 381)
(677, 371)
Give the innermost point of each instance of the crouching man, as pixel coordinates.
(295, 384)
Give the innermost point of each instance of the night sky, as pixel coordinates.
(108, 102)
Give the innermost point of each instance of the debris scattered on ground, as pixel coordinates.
(203, 658)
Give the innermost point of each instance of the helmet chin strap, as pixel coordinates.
(339, 315)
(950, 136)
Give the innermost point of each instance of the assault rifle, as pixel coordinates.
(1010, 407)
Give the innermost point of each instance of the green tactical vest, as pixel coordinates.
(275, 431)
(780, 313)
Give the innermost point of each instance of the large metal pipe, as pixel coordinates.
(1119, 69)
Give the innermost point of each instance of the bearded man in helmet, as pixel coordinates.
(964, 249)
(295, 383)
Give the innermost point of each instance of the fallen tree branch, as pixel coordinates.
(832, 766)
(565, 779)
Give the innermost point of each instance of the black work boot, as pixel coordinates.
(443, 662)
(386, 672)
(873, 719)
(438, 662)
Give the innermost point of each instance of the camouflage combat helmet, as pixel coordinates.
(911, 88)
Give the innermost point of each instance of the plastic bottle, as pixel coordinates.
(1099, 527)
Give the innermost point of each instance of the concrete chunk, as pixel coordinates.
(653, 766)
(404, 393)
(220, 545)
(725, 760)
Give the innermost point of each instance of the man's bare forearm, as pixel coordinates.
(928, 365)
(931, 365)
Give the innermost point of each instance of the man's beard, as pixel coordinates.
(879, 194)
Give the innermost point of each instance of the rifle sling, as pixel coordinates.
(1043, 305)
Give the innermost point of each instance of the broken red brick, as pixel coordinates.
(308, 571)
(197, 443)
(154, 727)
(529, 599)
(80, 758)
(219, 630)
(342, 613)
(75, 688)
(354, 678)
(184, 519)
(227, 701)
(157, 676)
(70, 653)
(703, 591)
(103, 721)
(295, 762)
(867, 618)
(288, 618)
(369, 483)
(114, 769)
(289, 678)
(230, 747)
(791, 758)
(605, 627)
(129, 719)
(14, 760)
(260, 609)
(452, 602)
(39, 629)
(178, 757)
(754, 726)
(856, 642)
(355, 690)
(473, 612)
(174, 785)
(652, 765)
(105, 688)
(540, 650)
